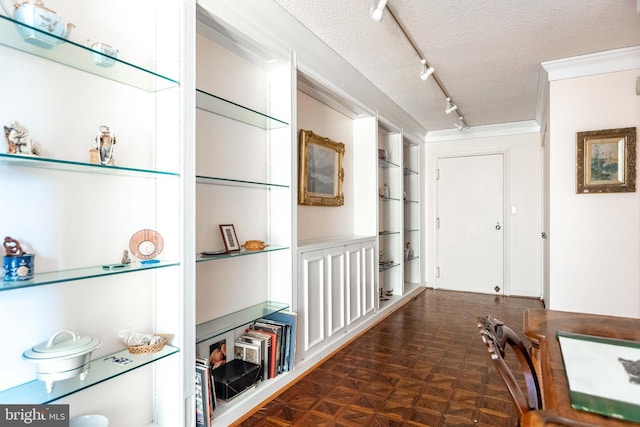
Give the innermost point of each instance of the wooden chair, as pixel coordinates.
(542, 418)
(496, 335)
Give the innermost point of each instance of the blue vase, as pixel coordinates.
(17, 268)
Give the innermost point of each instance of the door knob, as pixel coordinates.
(498, 226)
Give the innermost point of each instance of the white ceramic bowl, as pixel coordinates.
(93, 420)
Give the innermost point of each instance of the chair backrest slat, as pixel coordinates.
(496, 335)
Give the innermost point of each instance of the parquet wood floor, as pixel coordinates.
(424, 365)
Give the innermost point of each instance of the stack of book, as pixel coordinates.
(270, 343)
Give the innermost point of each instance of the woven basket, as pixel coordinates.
(151, 348)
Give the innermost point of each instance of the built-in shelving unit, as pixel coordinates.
(77, 217)
(390, 208)
(243, 177)
(412, 214)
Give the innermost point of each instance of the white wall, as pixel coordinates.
(594, 248)
(524, 189)
(315, 222)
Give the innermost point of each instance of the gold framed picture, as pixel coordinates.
(320, 170)
(606, 161)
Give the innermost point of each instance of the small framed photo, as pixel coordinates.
(229, 237)
(606, 161)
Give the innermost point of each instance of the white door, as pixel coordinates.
(470, 229)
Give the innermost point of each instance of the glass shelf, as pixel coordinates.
(80, 57)
(411, 230)
(68, 165)
(412, 258)
(412, 201)
(100, 370)
(386, 164)
(386, 233)
(222, 107)
(386, 199)
(242, 252)
(42, 279)
(236, 182)
(386, 267)
(408, 171)
(227, 323)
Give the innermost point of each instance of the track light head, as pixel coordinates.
(451, 107)
(376, 13)
(424, 71)
(460, 124)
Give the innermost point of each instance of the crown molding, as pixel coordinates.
(502, 129)
(610, 61)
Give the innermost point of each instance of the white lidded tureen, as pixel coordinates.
(34, 14)
(63, 356)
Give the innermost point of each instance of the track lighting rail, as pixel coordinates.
(463, 123)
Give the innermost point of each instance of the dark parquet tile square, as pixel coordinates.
(424, 365)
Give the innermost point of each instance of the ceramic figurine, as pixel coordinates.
(16, 264)
(126, 259)
(12, 247)
(408, 251)
(104, 144)
(19, 141)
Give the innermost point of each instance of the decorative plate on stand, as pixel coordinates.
(146, 244)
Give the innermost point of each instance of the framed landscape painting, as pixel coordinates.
(320, 170)
(606, 161)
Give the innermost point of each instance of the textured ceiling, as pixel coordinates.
(487, 53)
